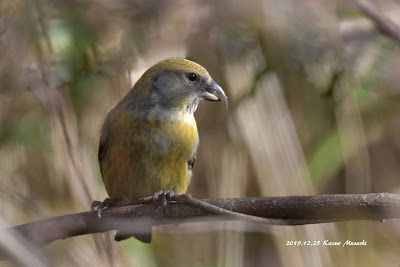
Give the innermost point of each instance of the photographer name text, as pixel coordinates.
(326, 243)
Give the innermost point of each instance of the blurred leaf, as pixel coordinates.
(327, 159)
(31, 129)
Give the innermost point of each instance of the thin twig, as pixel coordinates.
(187, 198)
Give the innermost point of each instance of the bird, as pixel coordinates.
(149, 140)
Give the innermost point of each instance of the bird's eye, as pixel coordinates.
(192, 77)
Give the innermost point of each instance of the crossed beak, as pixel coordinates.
(214, 92)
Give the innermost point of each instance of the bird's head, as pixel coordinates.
(178, 84)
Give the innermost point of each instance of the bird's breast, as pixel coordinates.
(148, 154)
(184, 131)
(173, 172)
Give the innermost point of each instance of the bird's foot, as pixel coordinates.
(99, 206)
(163, 196)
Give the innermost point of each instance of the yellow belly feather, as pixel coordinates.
(145, 156)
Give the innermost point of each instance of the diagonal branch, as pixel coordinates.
(385, 25)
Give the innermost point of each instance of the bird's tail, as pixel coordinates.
(145, 237)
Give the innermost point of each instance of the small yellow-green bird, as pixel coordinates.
(149, 140)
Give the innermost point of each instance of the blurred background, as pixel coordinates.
(314, 109)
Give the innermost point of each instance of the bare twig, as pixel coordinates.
(293, 210)
(385, 25)
(187, 198)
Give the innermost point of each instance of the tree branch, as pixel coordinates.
(292, 210)
(385, 25)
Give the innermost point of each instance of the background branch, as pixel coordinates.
(292, 210)
(385, 25)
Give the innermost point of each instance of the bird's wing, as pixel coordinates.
(103, 143)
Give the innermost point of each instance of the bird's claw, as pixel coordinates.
(95, 204)
(99, 206)
(163, 196)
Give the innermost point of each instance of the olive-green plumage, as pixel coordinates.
(149, 140)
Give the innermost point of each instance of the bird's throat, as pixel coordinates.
(192, 106)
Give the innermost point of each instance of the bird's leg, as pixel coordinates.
(164, 196)
(168, 197)
(156, 196)
(100, 206)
